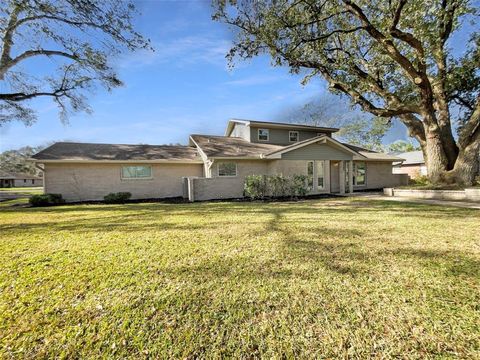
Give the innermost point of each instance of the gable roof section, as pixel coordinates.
(231, 147)
(277, 154)
(85, 152)
(373, 155)
(276, 125)
(412, 157)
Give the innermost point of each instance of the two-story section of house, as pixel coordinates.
(215, 167)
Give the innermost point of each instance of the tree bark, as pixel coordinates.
(467, 165)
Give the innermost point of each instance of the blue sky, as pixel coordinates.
(184, 87)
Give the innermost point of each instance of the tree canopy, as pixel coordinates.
(79, 37)
(392, 58)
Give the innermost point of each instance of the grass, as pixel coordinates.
(23, 190)
(349, 278)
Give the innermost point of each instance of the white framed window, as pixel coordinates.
(137, 172)
(310, 175)
(320, 174)
(293, 136)
(359, 173)
(227, 169)
(263, 134)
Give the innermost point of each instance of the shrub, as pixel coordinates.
(46, 199)
(262, 186)
(420, 181)
(255, 186)
(476, 181)
(117, 198)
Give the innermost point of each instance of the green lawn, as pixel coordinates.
(350, 278)
(23, 190)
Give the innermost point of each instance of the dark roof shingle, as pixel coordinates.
(116, 152)
(222, 146)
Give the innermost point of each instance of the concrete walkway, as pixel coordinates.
(380, 196)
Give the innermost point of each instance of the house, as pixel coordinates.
(19, 180)
(413, 165)
(215, 167)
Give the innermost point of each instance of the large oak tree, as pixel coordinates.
(79, 37)
(391, 57)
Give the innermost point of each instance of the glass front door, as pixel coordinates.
(316, 176)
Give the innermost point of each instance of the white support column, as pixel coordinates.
(350, 177)
(341, 175)
(326, 174)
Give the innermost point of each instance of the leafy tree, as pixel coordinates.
(79, 37)
(401, 146)
(355, 128)
(16, 161)
(392, 58)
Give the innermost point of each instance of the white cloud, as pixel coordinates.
(181, 52)
(255, 80)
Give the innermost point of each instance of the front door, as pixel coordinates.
(316, 176)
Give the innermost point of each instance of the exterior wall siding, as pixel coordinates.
(81, 182)
(27, 182)
(280, 136)
(379, 175)
(241, 131)
(413, 171)
(317, 152)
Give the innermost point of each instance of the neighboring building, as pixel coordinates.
(215, 167)
(413, 165)
(19, 180)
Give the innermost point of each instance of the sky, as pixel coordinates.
(184, 87)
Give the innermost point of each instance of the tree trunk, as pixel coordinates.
(435, 156)
(467, 165)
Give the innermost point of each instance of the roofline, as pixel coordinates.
(277, 154)
(237, 158)
(202, 153)
(278, 125)
(40, 161)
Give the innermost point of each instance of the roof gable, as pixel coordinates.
(326, 141)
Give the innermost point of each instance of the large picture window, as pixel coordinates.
(359, 173)
(136, 172)
(227, 169)
(263, 134)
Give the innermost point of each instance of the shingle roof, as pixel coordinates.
(222, 146)
(412, 157)
(6, 175)
(373, 155)
(272, 124)
(116, 152)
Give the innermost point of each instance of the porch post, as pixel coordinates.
(350, 176)
(341, 175)
(326, 176)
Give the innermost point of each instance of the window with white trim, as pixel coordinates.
(227, 169)
(293, 136)
(320, 174)
(359, 173)
(263, 134)
(137, 172)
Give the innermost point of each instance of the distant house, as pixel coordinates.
(19, 180)
(414, 164)
(215, 167)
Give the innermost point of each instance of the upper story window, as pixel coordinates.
(227, 169)
(137, 172)
(263, 134)
(293, 136)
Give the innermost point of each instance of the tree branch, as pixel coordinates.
(31, 53)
